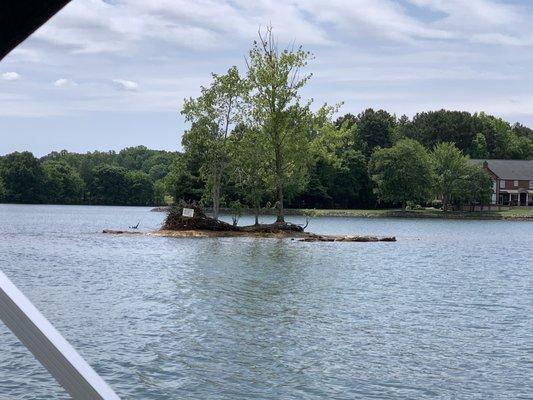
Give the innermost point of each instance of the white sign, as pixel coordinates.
(188, 212)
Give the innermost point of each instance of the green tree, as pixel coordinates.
(339, 176)
(402, 173)
(250, 167)
(522, 131)
(375, 128)
(476, 188)
(433, 127)
(63, 184)
(133, 158)
(479, 147)
(450, 166)
(158, 164)
(109, 185)
(342, 184)
(346, 120)
(160, 193)
(23, 178)
(140, 188)
(275, 81)
(183, 181)
(2, 190)
(504, 141)
(213, 116)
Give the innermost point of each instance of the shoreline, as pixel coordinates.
(525, 214)
(292, 235)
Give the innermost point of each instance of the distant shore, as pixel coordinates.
(517, 214)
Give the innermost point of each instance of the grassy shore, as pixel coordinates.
(517, 214)
(525, 214)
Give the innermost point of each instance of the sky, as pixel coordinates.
(104, 75)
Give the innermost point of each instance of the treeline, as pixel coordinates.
(254, 141)
(133, 176)
(341, 174)
(372, 159)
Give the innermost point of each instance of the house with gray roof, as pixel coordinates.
(512, 181)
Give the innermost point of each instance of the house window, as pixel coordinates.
(515, 183)
(502, 184)
(531, 184)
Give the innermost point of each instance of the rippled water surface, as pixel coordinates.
(445, 312)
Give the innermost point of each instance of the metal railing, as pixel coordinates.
(49, 347)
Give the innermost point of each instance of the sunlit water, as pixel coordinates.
(445, 312)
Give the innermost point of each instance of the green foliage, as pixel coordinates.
(479, 147)
(375, 129)
(339, 175)
(275, 80)
(476, 188)
(402, 173)
(450, 166)
(213, 115)
(63, 184)
(23, 178)
(133, 158)
(523, 131)
(250, 167)
(502, 140)
(457, 182)
(237, 209)
(2, 190)
(140, 189)
(433, 127)
(108, 185)
(183, 181)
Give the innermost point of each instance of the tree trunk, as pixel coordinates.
(216, 194)
(279, 184)
(256, 206)
(444, 203)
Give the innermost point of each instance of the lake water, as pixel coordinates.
(445, 312)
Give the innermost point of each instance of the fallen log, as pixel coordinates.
(119, 232)
(332, 238)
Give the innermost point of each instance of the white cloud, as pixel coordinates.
(375, 51)
(475, 12)
(124, 84)
(371, 18)
(94, 26)
(11, 76)
(64, 82)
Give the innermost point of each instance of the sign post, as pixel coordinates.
(188, 212)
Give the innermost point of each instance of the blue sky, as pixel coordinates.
(106, 75)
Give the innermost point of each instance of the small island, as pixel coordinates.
(190, 220)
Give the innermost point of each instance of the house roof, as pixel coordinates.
(510, 169)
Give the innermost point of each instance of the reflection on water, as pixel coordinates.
(444, 312)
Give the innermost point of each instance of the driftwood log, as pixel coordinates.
(332, 238)
(119, 232)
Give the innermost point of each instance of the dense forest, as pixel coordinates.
(338, 175)
(253, 141)
(133, 176)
